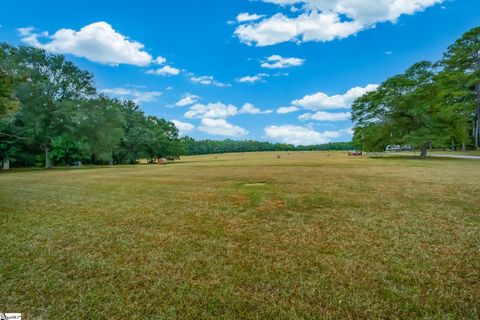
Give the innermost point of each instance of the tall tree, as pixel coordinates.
(161, 139)
(50, 83)
(135, 130)
(403, 110)
(101, 126)
(464, 57)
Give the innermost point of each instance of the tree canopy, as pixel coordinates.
(50, 112)
(430, 104)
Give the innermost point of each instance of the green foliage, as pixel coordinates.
(67, 149)
(8, 102)
(161, 139)
(61, 118)
(428, 105)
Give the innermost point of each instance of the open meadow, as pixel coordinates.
(244, 236)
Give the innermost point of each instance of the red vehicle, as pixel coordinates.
(355, 153)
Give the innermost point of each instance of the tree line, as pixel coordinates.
(429, 105)
(51, 113)
(197, 147)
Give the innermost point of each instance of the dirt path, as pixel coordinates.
(453, 156)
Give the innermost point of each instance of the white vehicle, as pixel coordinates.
(393, 148)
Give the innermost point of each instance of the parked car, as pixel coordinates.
(393, 147)
(407, 148)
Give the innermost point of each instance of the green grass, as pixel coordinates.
(245, 236)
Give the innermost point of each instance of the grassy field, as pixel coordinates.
(244, 236)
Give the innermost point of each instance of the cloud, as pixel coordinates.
(284, 110)
(311, 26)
(323, 20)
(26, 31)
(256, 78)
(298, 135)
(249, 108)
(136, 96)
(245, 17)
(183, 127)
(321, 100)
(220, 110)
(208, 80)
(160, 60)
(187, 100)
(97, 42)
(326, 116)
(211, 110)
(279, 62)
(165, 71)
(221, 127)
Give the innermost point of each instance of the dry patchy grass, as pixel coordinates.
(309, 235)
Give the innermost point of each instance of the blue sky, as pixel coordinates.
(275, 70)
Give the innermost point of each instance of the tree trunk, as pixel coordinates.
(6, 164)
(453, 144)
(477, 114)
(476, 130)
(423, 152)
(48, 163)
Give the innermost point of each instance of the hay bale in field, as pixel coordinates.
(278, 156)
(162, 161)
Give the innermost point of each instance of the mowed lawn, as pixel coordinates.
(244, 236)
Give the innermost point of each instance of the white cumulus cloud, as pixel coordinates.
(211, 110)
(284, 110)
(183, 127)
(249, 108)
(326, 20)
(321, 100)
(97, 42)
(245, 17)
(187, 100)
(220, 127)
(299, 135)
(165, 71)
(256, 78)
(160, 60)
(208, 81)
(26, 31)
(279, 62)
(220, 110)
(326, 116)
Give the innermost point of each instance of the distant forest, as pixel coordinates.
(193, 147)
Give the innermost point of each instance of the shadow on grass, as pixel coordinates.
(413, 157)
